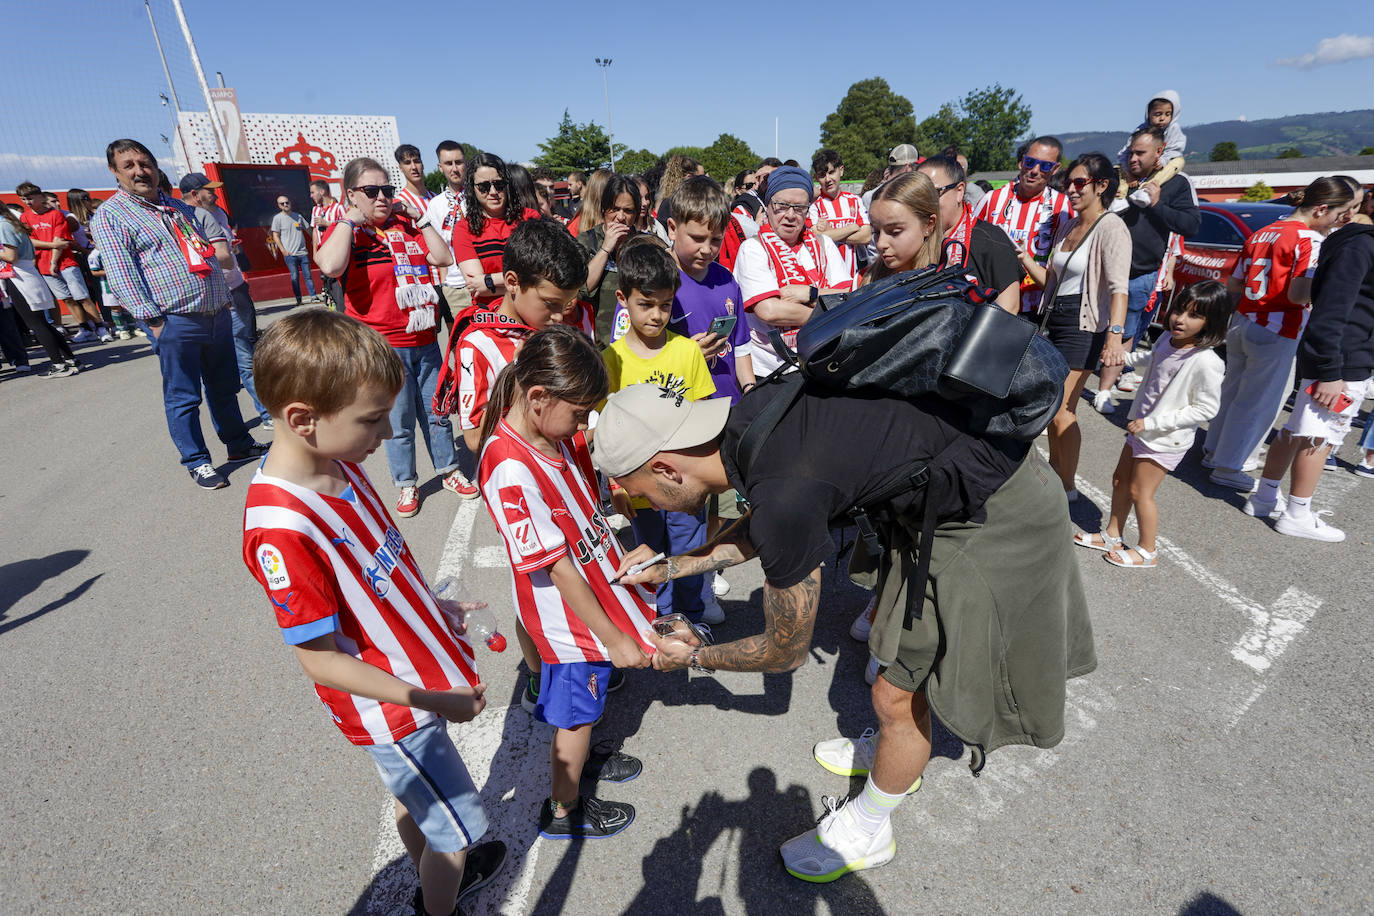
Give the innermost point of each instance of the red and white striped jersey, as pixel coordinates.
(419, 203)
(1271, 260)
(487, 346)
(584, 320)
(331, 213)
(1035, 220)
(338, 565)
(547, 509)
(845, 210)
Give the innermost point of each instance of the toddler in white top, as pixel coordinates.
(1180, 392)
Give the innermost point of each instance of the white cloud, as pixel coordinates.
(63, 171)
(1336, 50)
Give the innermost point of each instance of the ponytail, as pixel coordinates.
(1328, 191)
(560, 359)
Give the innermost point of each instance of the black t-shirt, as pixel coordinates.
(830, 446)
(992, 257)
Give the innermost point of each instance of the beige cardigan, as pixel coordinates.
(1108, 270)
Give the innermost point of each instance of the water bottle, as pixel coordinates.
(459, 609)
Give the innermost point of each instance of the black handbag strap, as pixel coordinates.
(1047, 307)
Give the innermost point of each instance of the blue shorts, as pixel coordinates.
(573, 693)
(425, 773)
(1138, 295)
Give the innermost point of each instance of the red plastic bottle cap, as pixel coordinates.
(496, 642)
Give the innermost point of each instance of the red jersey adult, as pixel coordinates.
(339, 565)
(49, 226)
(370, 290)
(488, 247)
(1272, 259)
(1029, 210)
(547, 509)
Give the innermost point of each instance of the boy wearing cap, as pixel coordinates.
(786, 268)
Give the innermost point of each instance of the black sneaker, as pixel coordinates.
(529, 697)
(207, 478)
(593, 819)
(483, 862)
(418, 903)
(256, 450)
(615, 681)
(612, 767)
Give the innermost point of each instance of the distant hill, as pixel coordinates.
(1326, 133)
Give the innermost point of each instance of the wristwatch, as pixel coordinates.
(1116, 329)
(815, 294)
(491, 287)
(422, 222)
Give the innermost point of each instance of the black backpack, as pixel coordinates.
(900, 336)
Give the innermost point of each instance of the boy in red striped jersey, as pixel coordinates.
(350, 597)
(838, 214)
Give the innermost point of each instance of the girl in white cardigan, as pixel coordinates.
(1181, 391)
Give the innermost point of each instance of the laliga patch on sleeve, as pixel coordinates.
(516, 512)
(273, 566)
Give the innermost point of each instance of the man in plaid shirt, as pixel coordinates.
(163, 271)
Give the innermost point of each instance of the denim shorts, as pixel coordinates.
(573, 693)
(69, 284)
(425, 773)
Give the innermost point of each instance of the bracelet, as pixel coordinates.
(749, 387)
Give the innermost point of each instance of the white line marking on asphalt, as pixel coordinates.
(506, 732)
(1245, 705)
(492, 557)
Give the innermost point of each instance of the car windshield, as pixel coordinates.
(1259, 217)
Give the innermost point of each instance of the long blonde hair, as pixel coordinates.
(591, 200)
(916, 192)
(678, 170)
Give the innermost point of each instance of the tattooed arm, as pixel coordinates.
(789, 616)
(729, 547)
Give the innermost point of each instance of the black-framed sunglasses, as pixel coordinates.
(1044, 165)
(372, 190)
(484, 187)
(949, 187)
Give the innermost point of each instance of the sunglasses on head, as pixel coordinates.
(1030, 162)
(372, 190)
(484, 187)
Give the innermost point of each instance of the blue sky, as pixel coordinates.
(681, 77)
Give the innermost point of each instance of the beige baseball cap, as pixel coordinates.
(642, 420)
(903, 154)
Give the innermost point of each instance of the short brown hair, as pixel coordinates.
(322, 358)
(27, 189)
(700, 200)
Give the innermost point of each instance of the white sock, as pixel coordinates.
(1299, 507)
(1268, 490)
(873, 806)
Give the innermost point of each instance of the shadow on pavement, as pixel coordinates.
(681, 875)
(98, 356)
(66, 599)
(22, 577)
(1206, 904)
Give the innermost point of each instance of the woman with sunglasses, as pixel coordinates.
(381, 250)
(1085, 292)
(479, 240)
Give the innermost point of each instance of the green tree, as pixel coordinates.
(993, 117)
(1367, 151)
(1291, 153)
(577, 146)
(635, 161)
(869, 121)
(1225, 151)
(727, 156)
(943, 129)
(1257, 192)
(435, 180)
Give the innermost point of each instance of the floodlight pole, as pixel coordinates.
(605, 87)
(220, 139)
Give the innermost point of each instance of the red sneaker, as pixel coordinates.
(460, 485)
(409, 503)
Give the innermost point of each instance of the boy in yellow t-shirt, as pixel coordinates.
(649, 352)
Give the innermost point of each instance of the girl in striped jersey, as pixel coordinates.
(537, 480)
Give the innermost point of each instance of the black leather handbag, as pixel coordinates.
(990, 352)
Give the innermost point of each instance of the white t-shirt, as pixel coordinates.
(758, 282)
(439, 209)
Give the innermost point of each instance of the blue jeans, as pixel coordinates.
(194, 350)
(412, 404)
(674, 533)
(245, 339)
(1137, 297)
(299, 264)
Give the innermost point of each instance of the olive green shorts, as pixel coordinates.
(724, 505)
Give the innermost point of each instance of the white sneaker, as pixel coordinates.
(1235, 480)
(106, 336)
(1261, 508)
(871, 670)
(1104, 402)
(844, 757)
(719, 586)
(863, 624)
(1140, 197)
(712, 613)
(1310, 526)
(837, 846)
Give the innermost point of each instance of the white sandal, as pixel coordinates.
(1149, 559)
(1089, 539)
